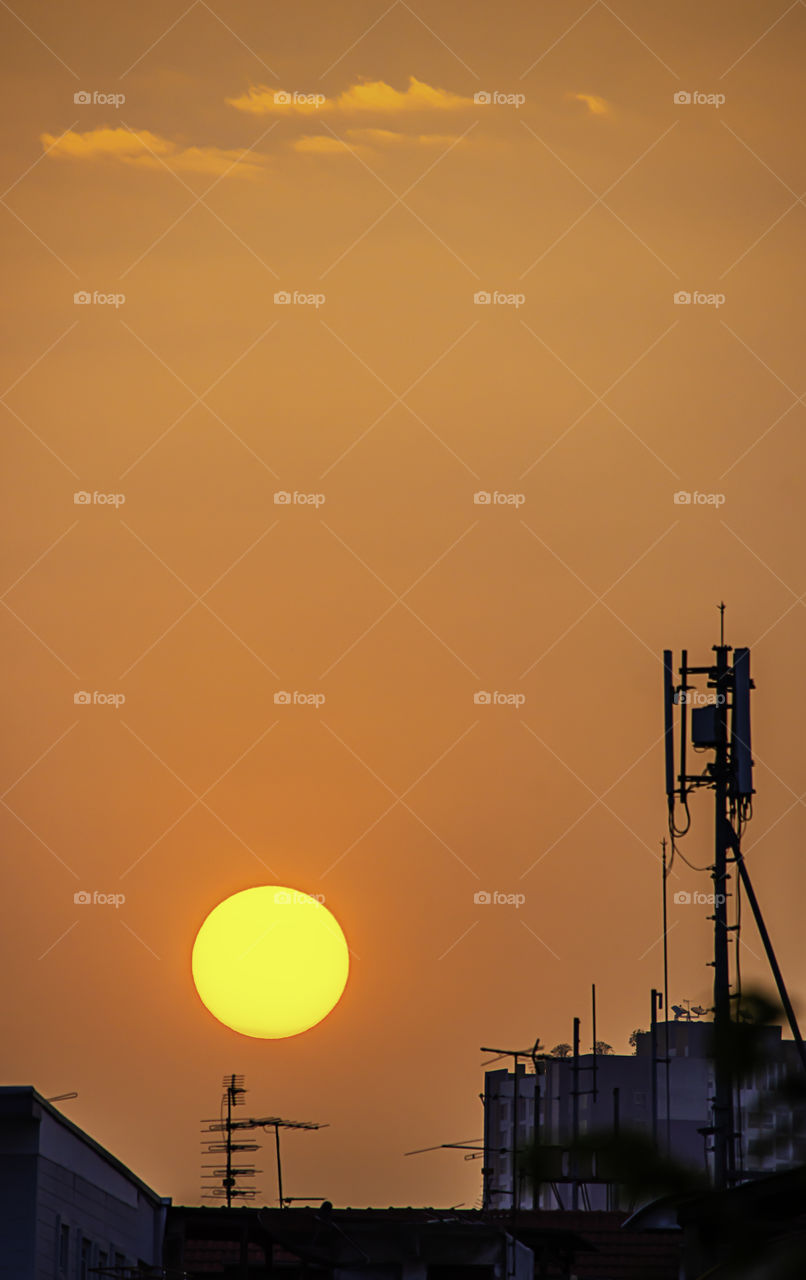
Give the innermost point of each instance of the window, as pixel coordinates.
(86, 1251)
(64, 1248)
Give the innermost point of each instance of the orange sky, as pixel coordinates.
(582, 197)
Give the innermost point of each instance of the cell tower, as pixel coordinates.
(225, 1177)
(720, 723)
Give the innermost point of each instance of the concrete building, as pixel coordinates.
(68, 1207)
(769, 1132)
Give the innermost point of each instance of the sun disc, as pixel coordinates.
(270, 962)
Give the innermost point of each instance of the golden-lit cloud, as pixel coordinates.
(147, 150)
(366, 96)
(391, 138)
(596, 106)
(320, 144)
(363, 139)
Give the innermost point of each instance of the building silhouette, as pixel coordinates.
(69, 1209)
(614, 1093)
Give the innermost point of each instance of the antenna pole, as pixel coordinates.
(279, 1166)
(667, 1058)
(723, 1076)
(228, 1181)
(575, 1121)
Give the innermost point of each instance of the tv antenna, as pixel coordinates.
(229, 1145)
(226, 1185)
(719, 724)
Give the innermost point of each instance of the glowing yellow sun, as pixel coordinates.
(270, 962)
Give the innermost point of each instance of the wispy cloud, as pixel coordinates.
(596, 106)
(147, 150)
(368, 139)
(366, 96)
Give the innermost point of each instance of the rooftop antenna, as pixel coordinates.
(516, 1055)
(721, 726)
(225, 1178)
(275, 1123)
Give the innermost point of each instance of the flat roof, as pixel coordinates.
(21, 1101)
